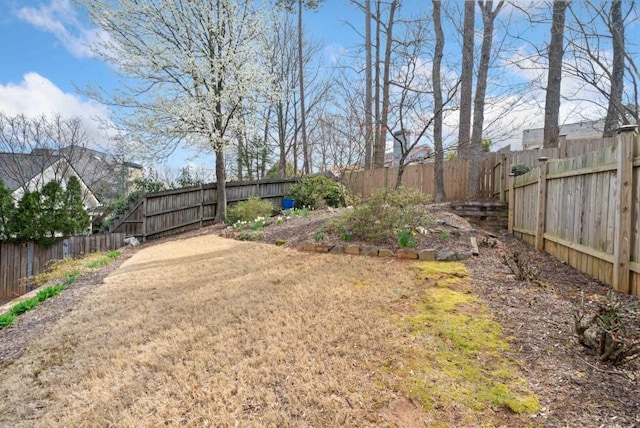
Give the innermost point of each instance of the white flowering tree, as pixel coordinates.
(187, 67)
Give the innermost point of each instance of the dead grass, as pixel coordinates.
(215, 332)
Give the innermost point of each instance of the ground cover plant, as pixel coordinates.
(462, 360)
(69, 276)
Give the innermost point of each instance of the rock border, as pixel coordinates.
(403, 253)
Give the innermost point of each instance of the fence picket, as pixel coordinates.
(19, 262)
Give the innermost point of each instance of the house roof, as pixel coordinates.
(16, 169)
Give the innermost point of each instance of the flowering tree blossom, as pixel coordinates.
(187, 68)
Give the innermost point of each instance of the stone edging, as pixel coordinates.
(403, 253)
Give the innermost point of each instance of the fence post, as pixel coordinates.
(542, 203)
(503, 175)
(512, 202)
(622, 238)
(562, 147)
(144, 219)
(201, 206)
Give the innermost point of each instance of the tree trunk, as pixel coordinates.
(368, 101)
(614, 111)
(379, 133)
(221, 190)
(378, 155)
(241, 154)
(303, 113)
(282, 163)
(554, 76)
(488, 17)
(466, 81)
(437, 103)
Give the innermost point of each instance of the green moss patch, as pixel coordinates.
(464, 362)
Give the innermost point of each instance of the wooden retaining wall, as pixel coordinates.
(169, 212)
(585, 211)
(19, 261)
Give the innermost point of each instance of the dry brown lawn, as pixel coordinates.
(215, 332)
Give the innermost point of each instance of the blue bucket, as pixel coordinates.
(288, 203)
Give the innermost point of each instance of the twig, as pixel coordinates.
(615, 372)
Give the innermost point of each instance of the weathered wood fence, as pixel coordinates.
(585, 211)
(19, 261)
(169, 212)
(421, 176)
(505, 159)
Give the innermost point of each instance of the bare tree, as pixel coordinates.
(554, 75)
(368, 109)
(610, 82)
(615, 109)
(488, 17)
(413, 94)
(36, 150)
(438, 103)
(466, 81)
(380, 145)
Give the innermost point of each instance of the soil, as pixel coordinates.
(574, 388)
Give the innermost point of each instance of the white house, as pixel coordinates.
(533, 138)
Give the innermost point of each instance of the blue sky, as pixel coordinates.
(45, 57)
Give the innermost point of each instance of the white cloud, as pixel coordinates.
(60, 18)
(37, 95)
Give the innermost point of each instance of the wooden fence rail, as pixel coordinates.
(585, 211)
(169, 212)
(20, 261)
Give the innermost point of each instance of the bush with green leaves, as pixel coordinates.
(520, 169)
(7, 211)
(387, 212)
(317, 192)
(249, 210)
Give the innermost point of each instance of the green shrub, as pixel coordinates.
(24, 306)
(317, 192)
(249, 210)
(49, 292)
(520, 169)
(250, 235)
(386, 213)
(407, 239)
(6, 320)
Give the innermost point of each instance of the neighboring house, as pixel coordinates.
(26, 172)
(533, 138)
(102, 177)
(417, 155)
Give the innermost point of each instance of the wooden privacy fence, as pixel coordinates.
(169, 212)
(505, 159)
(585, 211)
(20, 261)
(421, 176)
